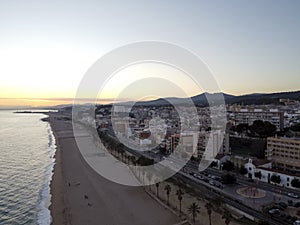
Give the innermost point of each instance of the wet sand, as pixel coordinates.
(81, 196)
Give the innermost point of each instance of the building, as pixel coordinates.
(265, 171)
(214, 142)
(284, 153)
(249, 115)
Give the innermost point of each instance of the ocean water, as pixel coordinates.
(27, 148)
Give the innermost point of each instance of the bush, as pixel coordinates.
(295, 183)
(228, 179)
(243, 170)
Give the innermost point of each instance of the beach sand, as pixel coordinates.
(81, 196)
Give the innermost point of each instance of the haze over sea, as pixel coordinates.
(27, 148)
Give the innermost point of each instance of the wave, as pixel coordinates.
(44, 214)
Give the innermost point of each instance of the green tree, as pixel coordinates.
(263, 222)
(228, 178)
(168, 191)
(262, 128)
(157, 188)
(208, 207)
(193, 210)
(295, 183)
(228, 166)
(296, 127)
(258, 174)
(243, 170)
(227, 217)
(179, 194)
(275, 179)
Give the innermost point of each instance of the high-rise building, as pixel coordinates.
(249, 115)
(284, 153)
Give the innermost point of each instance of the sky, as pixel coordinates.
(46, 47)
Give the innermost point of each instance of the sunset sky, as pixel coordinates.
(46, 47)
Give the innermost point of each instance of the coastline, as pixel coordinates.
(81, 196)
(57, 205)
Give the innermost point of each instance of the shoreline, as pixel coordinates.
(81, 196)
(57, 205)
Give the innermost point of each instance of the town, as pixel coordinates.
(256, 168)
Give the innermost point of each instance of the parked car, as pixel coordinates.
(297, 222)
(290, 202)
(292, 195)
(283, 205)
(274, 211)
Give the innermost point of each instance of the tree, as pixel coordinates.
(179, 194)
(168, 190)
(275, 179)
(258, 174)
(296, 127)
(263, 222)
(228, 178)
(227, 217)
(262, 128)
(157, 188)
(149, 178)
(217, 201)
(228, 166)
(241, 128)
(243, 170)
(208, 207)
(213, 164)
(193, 210)
(295, 183)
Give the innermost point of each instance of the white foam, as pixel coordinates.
(44, 215)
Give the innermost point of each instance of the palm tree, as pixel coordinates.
(227, 216)
(168, 190)
(157, 187)
(208, 206)
(149, 178)
(194, 209)
(179, 194)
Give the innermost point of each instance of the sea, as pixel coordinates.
(27, 148)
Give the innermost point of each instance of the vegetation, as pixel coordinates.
(263, 222)
(179, 194)
(168, 190)
(208, 207)
(194, 209)
(262, 129)
(243, 170)
(275, 179)
(228, 166)
(258, 174)
(227, 217)
(295, 183)
(213, 164)
(228, 178)
(157, 188)
(296, 127)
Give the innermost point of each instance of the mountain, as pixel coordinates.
(249, 99)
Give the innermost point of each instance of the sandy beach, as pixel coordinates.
(81, 196)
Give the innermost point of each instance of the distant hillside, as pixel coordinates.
(259, 99)
(249, 99)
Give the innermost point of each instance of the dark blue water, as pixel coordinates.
(27, 147)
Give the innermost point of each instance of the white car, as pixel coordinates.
(297, 222)
(292, 195)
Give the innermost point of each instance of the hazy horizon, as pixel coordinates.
(47, 47)
(68, 101)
